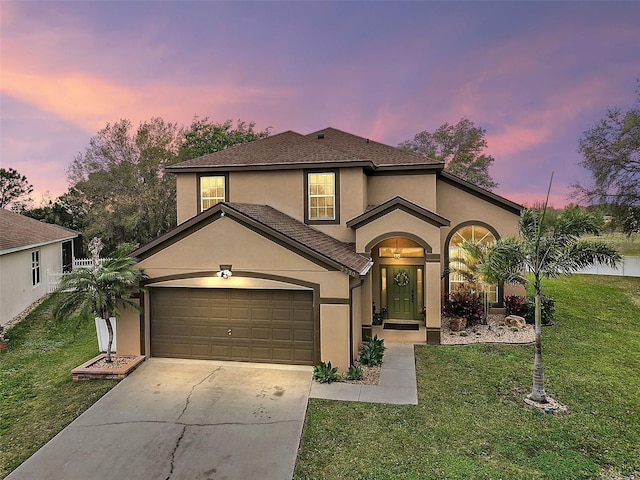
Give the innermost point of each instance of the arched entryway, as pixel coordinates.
(399, 279)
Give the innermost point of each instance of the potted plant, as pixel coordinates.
(462, 308)
(378, 316)
(99, 291)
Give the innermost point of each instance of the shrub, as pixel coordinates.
(513, 304)
(354, 373)
(325, 373)
(372, 351)
(547, 310)
(463, 304)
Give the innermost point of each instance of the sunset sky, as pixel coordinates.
(534, 75)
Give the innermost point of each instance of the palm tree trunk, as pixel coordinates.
(110, 330)
(537, 392)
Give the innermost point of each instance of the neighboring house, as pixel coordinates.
(28, 250)
(314, 229)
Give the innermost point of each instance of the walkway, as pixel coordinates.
(397, 381)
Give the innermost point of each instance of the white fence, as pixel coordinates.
(85, 262)
(629, 267)
(53, 278)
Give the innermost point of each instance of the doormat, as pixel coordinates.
(401, 326)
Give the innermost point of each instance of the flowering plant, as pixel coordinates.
(464, 305)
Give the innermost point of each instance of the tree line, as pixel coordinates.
(118, 190)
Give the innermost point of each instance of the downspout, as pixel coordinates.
(362, 276)
(351, 289)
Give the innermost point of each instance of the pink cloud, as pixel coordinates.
(535, 198)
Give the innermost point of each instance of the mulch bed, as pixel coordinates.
(99, 369)
(370, 375)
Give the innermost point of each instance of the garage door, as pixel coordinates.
(274, 326)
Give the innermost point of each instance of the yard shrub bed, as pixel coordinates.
(471, 421)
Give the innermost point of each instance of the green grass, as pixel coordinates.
(625, 245)
(37, 395)
(471, 422)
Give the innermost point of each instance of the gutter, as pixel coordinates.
(37, 245)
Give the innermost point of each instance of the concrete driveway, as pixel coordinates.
(184, 419)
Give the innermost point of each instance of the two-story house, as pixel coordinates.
(283, 245)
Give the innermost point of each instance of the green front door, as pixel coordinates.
(401, 292)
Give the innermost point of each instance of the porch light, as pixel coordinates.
(225, 272)
(396, 252)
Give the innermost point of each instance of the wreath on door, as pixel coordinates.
(401, 279)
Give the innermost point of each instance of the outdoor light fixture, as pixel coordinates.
(225, 272)
(396, 253)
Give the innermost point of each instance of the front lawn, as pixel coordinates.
(471, 421)
(37, 396)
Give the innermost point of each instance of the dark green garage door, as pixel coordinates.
(274, 326)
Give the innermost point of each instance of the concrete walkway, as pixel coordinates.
(397, 381)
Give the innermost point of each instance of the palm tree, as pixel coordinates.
(100, 290)
(546, 248)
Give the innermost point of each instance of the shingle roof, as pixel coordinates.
(356, 147)
(293, 149)
(18, 232)
(305, 236)
(275, 225)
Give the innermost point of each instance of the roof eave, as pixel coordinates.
(38, 245)
(481, 192)
(270, 166)
(409, 166)
(398, 203)
(296, 245)
(222, 209)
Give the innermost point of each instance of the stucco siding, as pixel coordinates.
(460, 207)
(334, 335)
(225, 242)
(128, 331)
(187, 196)
(280, 189)
(420, 189)
(396, 223)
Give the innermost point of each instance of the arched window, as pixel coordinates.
(473, 233)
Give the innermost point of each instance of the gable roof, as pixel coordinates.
(374, 212)
(276, 226)
(289, 149)
(19, 232)
(480, 192)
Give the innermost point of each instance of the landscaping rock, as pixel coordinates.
(497, 334)
(515, 321)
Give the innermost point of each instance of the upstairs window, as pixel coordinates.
(35, 267)
(212, 191)
(322, 201)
